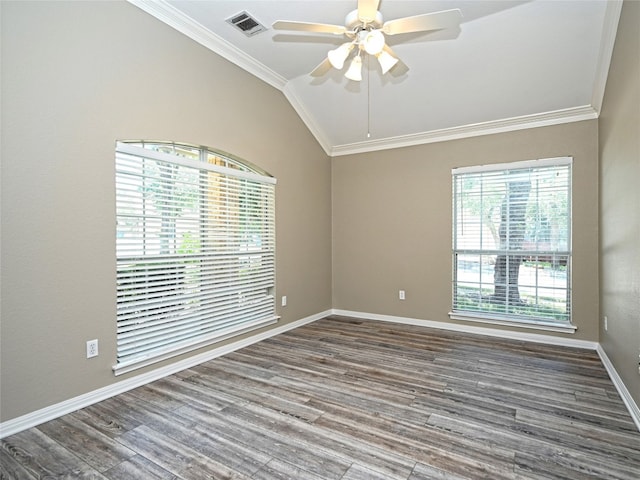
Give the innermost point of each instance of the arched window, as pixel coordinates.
(195, 249)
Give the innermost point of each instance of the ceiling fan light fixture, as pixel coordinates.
(366, 29)
(339, 55)
(355, 69)
(386, 61)
(373, 42)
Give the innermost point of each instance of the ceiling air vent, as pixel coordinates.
(244, 22)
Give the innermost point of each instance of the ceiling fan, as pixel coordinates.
(366, 30)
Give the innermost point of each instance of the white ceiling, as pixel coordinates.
(510, 65)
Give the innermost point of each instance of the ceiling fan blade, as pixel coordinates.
(367, 10)
(423, 23)
(309, 27)
(321, 69)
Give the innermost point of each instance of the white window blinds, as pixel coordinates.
(512, 241)
(195, 251)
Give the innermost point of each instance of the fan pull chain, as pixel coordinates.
(368, 99)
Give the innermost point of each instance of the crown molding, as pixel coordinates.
(568, 115)
(173, 17)
(607, 42)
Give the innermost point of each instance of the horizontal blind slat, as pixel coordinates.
(196, 249)
(510, 220)
(190, 322)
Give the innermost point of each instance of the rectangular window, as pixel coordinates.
(195, 253)
(512, 243)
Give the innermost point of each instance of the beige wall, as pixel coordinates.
(76, 77)
(620, 202)
(392, 221)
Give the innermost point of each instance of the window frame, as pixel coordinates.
(485, 315)
(147, 268)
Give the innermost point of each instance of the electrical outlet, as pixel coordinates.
(401, 295)
(92, 348)
(284, 301)
(606, 323)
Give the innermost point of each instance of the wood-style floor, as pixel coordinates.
(352, 400)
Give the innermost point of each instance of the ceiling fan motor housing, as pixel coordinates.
(353, 22)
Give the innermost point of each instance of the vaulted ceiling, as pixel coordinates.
(510, 65)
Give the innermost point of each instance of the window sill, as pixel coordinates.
(531, 324)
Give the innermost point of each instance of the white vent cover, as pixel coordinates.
(244, 22)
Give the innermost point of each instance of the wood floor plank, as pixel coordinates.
(183, 391)
(248, 391)
(560, 409)
(138, 467)
(130, 409)
(429, 472)
(272, 440)
(14, 463)
(96, 449)
(358, 472)
(278, 469)
(102, 419)
(596, 441)
(352, 399)
(335, 443)
(238, 458)
(174, 456)
(549, 442)
(43, 457)
(312, 458)
(452, 402)
(423, 443)
(563, 465)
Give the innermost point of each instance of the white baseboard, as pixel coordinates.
(632, 406)
(491, 332)
(52, 412)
